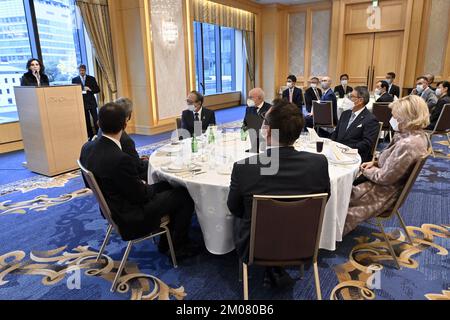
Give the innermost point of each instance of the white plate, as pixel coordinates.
(346, 162)
(224, 170)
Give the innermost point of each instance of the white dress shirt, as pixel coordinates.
(117, 142)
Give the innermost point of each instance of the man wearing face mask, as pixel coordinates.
(293, 94)
(423, 90)
(393, 89)
(443, 94)
(196, 112)
(358, 128)
(328, 95)
(381, 92)
(257, 107)
(343, 88)
(430, 78)
(313, 93)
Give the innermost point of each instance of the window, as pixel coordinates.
(215, 57)
(50, 30)
(8, 91)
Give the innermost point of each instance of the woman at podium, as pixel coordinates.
(35, 75)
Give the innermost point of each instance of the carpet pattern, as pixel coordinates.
(49, 228)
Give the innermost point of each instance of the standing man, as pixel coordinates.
(343, 88)
(328, 95)
(393, 89)
(293, 94)
(89, 87)
(313, 93)
(196, 112)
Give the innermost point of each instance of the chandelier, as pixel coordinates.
(166, 10)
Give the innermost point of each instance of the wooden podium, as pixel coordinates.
(53, 127)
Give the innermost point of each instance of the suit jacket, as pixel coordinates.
(436, 111)
(129, 147)
(340, 89)
(28, 79)
(207, 117)
(310, 96)
(297, 96)
(360, 135)
(89, 100)
(330, 96)
(299, 173)
(430, 98)
(128, 197)
(395, 90)
(385, 97)
(249, 113)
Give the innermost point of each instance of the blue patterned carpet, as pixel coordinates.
(50, 228)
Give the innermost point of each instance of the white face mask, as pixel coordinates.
(290, 85)
(377, 92)
(438, 92)
(251, 103)
(313, 85)
(389, 81)
(344, 82)
(325, 85)
(190, 107)
(394, 123)
(419, 88)
(348, 104)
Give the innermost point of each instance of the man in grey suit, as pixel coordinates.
(423, 90)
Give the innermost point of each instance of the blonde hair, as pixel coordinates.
(412, 112)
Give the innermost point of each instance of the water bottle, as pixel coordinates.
(211, 137)
(194, 144)
(243, 134)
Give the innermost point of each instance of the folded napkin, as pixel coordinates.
(313, 136)
(334, 154)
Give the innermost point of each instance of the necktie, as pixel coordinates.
(196, 117)
(352, 118)
(316, 93)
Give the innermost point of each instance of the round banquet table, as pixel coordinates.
(209, 185)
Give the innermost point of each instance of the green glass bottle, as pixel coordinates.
(243, 134)
(211, 137)
(194, 144)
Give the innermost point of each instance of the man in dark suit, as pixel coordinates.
(136, 207)
(343, 88)
(313, 93)
(430, 78)
(329, 95)
(358, 128)
(298, 173)
(257, 107)
(381, 92)
(443, 94)
(393, 89)
(89, 88)
(293, 94)
(196, 113)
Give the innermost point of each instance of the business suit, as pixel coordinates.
(394, 90)
(129, 147)
(208, 118)
(310, 96)
(136, 207)
(330, 96)
(436, 111)
(297, 96)
(299, 173)
(252, 112)
(429, 97)
(29, 80)
(385, 97)
(89, 101)
(340, 89)
(360, 135)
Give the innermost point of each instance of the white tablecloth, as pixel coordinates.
(210, 191)
(340, 108)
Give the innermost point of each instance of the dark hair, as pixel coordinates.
(112, 118)
(363, 92)
(126, 104)
(344, 75)
(445, 84)
(82, 66)
(287, 118)
(199, 96)
(292, 78)
(40, 63)
(392, 74)
(422, 78)
(315, 78)
(384, 84)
